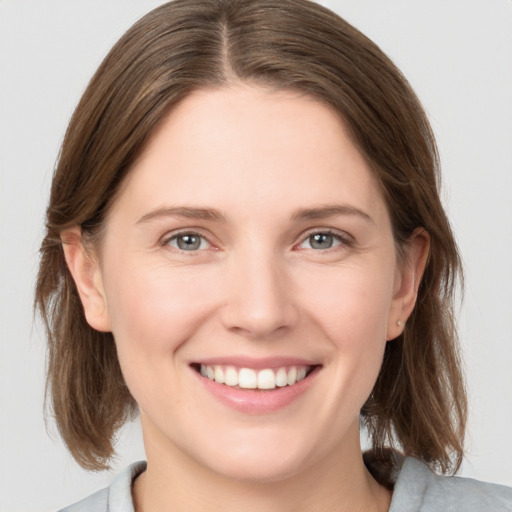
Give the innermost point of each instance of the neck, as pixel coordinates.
(339, 483)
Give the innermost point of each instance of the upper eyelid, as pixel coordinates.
(345, 237)
(342, 235)
(185, 231)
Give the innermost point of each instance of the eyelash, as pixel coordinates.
(175, 236)
(342, 239)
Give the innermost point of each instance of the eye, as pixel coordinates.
(321, 241)
(187, 242)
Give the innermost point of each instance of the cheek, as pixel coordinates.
(154, 311)
(353, 313)
(352, 304)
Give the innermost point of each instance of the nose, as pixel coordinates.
(260, 302)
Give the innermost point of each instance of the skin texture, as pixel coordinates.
(255, 287)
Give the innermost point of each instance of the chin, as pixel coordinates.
(258, 470)
(264, 459)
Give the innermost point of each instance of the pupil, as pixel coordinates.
(321, 241)
(189, 242)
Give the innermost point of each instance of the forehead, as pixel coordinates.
(245, 145)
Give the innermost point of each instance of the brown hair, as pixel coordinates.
(418, 403)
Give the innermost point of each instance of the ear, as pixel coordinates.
(407, 282)
(85, 270)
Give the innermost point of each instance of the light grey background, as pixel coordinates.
(457, 55)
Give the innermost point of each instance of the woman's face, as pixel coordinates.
(250, 244)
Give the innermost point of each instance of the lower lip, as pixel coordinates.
(253, 401)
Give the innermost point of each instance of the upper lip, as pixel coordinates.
(255, 363)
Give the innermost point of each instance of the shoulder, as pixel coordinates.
(97, 502)
(115, 498)
(417, 488)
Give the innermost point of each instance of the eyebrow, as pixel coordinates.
(326, 211)
(320, 212)
(183, 211)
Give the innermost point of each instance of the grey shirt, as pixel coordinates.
(417, 489)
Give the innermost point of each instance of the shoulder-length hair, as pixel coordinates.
(418, 404)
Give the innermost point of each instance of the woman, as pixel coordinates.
(246, 244)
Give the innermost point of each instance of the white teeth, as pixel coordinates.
(266, 379)
(247, 378)
(292, 376)
(281, 377)
(219, 374)
(231, 376)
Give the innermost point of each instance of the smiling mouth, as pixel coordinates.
(248, 378)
